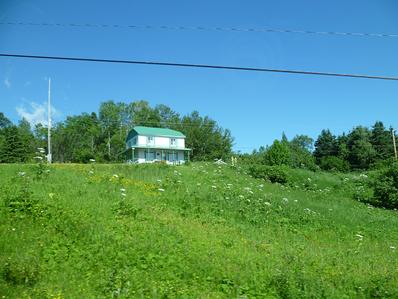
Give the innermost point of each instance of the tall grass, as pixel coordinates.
(197, 231)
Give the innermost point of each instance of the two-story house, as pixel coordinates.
(148, 145)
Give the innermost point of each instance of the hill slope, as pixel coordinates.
(197, 231)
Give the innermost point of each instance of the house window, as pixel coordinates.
(173, 142)
(150, 140)
(149, 155)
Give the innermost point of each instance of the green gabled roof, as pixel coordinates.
(149, 131)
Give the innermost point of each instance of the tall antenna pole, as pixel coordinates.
(394, 144)
(49, 157)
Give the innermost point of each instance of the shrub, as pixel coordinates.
(278, 154)
(385, 187)
(274, 174)
(332, 163)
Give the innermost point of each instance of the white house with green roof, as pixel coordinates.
(148, 145)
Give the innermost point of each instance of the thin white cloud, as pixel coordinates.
(37, 113)
(7, 83)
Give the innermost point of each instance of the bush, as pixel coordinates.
(278, 154)
(385, 187)
(274, 174)
(332, 163)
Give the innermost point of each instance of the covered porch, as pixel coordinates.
(138, 154)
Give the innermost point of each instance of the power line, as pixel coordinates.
(207, 66)
(201, 28)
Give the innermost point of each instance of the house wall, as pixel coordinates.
(141, 140)
(159, 141)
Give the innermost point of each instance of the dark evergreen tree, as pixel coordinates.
(12, 151)
(27, 139)
(381, 140)
(325, 145)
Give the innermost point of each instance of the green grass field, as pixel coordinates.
(195, 231)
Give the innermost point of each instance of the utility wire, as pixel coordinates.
(206, 66)
(201, 28)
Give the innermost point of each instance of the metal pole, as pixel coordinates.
(393, 141)
(49, 156)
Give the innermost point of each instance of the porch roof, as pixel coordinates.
(160, 148)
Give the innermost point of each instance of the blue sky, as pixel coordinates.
(256, 107)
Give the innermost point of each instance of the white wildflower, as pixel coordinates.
(393, 247)
(115, 176)
(214, 187)
(92, 160)
(38, 158)
(161, 189)
(123, 194)
(295, 200)
(21, 173)
(360, 237)
(91, 172)
(261, 186)
(267, 203)
(285, 200)
(241, 196)
(122, 190)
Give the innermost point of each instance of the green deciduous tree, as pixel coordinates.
(278, 154)
(361, 152)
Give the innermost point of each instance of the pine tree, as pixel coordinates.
(12, 151)
(381, 140)
(325, 145)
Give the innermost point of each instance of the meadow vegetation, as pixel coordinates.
(195, 231)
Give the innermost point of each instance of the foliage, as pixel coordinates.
(361, 152)
(325, 145)
(333, 163)
(385, 187)
(273, 174)
(278, 154)
(380, 138)
(300, 152)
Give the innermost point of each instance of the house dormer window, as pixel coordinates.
(150, 140)
(173, 141)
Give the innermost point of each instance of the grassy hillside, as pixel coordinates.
(197, 231)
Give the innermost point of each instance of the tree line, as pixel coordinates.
(361, 149)
(101, 136)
